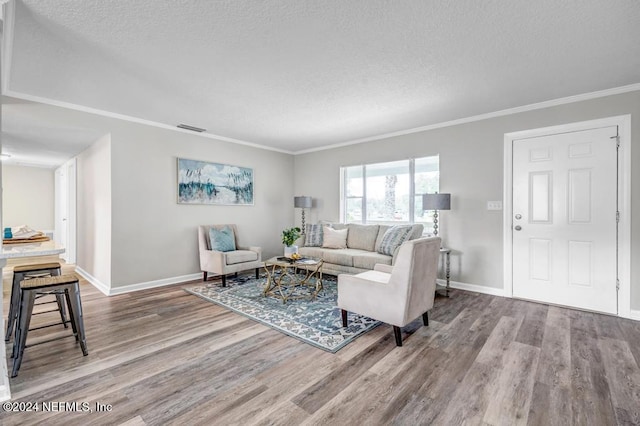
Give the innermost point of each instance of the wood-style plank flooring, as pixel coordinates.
(162, 357)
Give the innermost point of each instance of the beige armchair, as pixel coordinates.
(395, 294)
(223, 263)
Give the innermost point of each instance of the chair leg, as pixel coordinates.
(224, 280)
(257, 273)
(61, 307)
(72, 318)
(398, 333)
(204, 277)
(75, 310)
(344, 317)
(26, 308)
(14, 305)
(425, 318)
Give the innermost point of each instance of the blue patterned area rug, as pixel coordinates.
(316, 322)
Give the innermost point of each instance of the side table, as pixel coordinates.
(445, 255)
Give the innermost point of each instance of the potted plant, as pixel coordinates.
(289, 237)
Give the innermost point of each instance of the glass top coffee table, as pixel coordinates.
(289, 279)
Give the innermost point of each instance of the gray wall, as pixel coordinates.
(94, 210)
(471, 169)
(131, 230)
(154, 237)
(28, 197)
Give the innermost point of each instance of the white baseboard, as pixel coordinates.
(105, 289)
(111, 291)
(152, 284)
(634, 315)
(474, 287)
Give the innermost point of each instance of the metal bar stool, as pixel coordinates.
(66, 285)
(23, 272)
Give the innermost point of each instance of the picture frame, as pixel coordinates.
(204, 182)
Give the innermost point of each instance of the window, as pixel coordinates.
(389, 193)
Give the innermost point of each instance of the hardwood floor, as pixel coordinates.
(163, 356)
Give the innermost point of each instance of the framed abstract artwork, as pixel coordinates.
(201, 182)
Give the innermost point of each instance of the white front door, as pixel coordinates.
(564, 219)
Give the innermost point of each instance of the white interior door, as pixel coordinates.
(61, 207)
(564, 219)
(65, 210)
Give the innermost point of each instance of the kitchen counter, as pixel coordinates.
(46, 248)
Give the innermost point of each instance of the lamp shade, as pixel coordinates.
(302, 202)
(436, 201)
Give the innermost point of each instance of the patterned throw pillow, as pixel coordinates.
(313, 235)
(393, 238)
(222, 239)
(334, 238)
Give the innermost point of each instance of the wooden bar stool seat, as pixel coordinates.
(31, 271)
(66, 285)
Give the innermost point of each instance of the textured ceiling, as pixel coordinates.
(296, 75)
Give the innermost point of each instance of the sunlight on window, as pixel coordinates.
(389, 193)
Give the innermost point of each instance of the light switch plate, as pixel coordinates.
(494, 205)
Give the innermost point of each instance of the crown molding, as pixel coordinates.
(137, 120)
(480, 117)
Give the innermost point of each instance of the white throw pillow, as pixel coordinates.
(334, 238)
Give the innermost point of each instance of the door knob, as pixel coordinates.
(518, 227)
(518, 216)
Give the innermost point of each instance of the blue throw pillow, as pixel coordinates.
(393, 238)
(222, 239)
(313, 235)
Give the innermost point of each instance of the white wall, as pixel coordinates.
(94, 210)
(28, 197)
(471, 169)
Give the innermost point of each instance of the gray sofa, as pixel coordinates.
(361, 254)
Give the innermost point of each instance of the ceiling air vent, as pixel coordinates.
(192, 128)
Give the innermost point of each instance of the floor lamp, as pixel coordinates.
(302, 202)
(436, 202)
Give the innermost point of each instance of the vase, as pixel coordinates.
(289, 250)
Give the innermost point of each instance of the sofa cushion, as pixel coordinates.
(241, 256)
(362, 236)
(312, 251)
(393, 238)
(334, 238)
(222, 239)
(342, 257)
(369, 259)
(313, 235)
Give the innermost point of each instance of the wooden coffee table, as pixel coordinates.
(284, 277)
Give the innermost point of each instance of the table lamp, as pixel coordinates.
(436, 202)
(302, 202)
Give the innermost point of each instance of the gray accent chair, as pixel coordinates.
(395, 294)
(229, 262)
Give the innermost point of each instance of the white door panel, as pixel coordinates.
(565, 196)
(65, 210)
